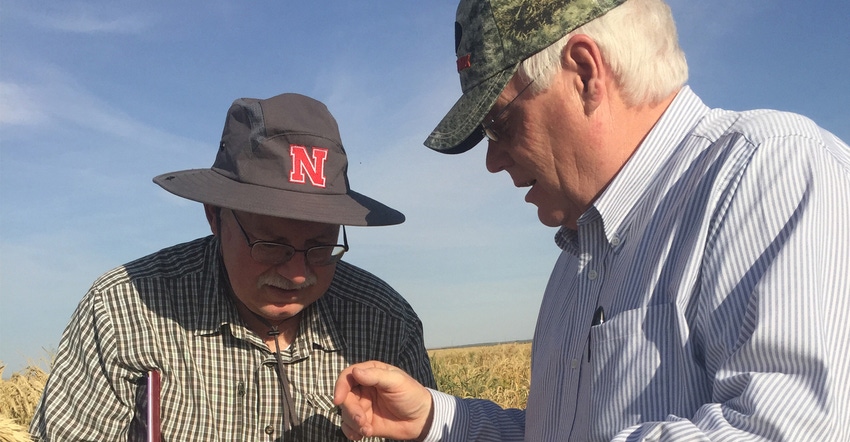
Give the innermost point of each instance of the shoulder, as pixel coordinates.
(761, 145)
(175, 261)
(776, 170)
(174, 289)
(355, 287)
(765, 129)
(760, 125)
(186, 260)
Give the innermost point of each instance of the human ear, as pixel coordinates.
(213, 214)
(582, 57)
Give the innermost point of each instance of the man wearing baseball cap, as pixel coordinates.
(248, 328)
(702, 288)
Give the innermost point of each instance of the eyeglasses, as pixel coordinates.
(273, 253)
(487, 127)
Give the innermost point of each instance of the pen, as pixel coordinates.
(598, 319)
(153, 408)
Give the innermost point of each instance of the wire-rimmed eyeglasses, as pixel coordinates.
(487, 127)
(273, 253)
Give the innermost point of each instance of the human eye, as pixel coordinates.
(323, 255)
(272, 252)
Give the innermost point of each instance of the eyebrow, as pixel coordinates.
(326, 237)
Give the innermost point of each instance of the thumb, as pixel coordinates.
(352, 378)
(372, 377)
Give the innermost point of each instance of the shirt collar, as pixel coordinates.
(628, 186)
(317, 331)
(216, 308)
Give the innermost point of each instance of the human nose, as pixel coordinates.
(497, 159)
(296, 269)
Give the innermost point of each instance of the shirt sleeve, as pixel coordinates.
(460, 420)
(771, 325)
(414, 357)
(89, 395)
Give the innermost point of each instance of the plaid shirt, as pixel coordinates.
(170, 311)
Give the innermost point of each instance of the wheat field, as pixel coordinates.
(499, 372)
(18, 397)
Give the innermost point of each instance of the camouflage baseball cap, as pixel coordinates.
(492, 37)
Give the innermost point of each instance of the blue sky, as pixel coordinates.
(97, 97)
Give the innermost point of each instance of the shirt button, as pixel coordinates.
(574, 363)
(592, 275)
(269, 429)
(615, 241)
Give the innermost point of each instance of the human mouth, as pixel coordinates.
(529, 184)
(281, 295)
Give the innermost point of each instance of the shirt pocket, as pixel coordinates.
(323, 408)
(325, 420)
(641, 369)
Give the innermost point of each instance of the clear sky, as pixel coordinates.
(99, 96)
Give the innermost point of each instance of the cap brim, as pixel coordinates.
(210, 187)
(459, 130)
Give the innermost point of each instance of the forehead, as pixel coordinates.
(269, 227)
(517, 84)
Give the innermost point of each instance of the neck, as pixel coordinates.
(615, 135)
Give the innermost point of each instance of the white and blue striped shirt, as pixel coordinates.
(721, 257)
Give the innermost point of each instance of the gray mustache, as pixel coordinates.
(280, 282)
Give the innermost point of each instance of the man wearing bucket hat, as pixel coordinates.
(702, 288)
(247, 328)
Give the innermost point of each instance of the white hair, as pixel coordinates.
(638, 42)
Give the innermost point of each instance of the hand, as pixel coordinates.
(379, 400)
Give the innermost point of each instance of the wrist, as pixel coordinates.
(429, 421)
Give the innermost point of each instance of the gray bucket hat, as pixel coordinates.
(492, 37)
(281, 157)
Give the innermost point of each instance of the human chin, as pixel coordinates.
(276, 304)
(550, 217)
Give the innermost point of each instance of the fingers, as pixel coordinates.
(355, 405)
(353, 377)
(377, 399)
(351, 432)
(356, 412)
(355, 428)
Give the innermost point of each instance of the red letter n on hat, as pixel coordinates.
(303, 165)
